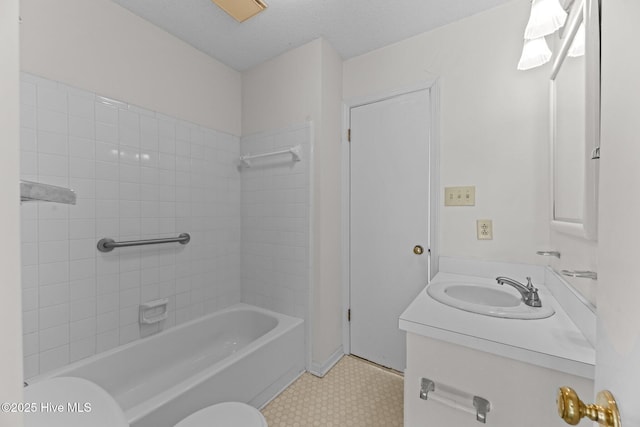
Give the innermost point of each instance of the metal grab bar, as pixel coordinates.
(107, 245)
(581, 274)
(549, 253)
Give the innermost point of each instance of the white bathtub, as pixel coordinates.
(242, 353)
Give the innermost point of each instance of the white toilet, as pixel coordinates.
(227, 414)
(105, 411)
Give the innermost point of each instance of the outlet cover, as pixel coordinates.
(485, 229)
(460, 196)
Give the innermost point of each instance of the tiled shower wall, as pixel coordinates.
(276, 200)
(138, 174)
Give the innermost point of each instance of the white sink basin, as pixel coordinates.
(488, 300)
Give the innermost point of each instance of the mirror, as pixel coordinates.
(575, 125)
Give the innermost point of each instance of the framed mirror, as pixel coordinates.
(575, 123)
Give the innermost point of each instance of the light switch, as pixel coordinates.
(460, 196)
(485, 229)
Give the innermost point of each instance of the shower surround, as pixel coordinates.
(142, 174)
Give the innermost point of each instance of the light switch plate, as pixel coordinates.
(485, 229)
(460, 196)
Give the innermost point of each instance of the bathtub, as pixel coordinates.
(242, 353)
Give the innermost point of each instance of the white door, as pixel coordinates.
(389, 217)
(618, 298)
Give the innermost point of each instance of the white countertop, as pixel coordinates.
(554, 342)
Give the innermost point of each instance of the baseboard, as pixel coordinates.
(320, 370)
(276, 389)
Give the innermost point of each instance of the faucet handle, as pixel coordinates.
(530, 284)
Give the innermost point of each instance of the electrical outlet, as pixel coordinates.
(485, 229)
(460, 196)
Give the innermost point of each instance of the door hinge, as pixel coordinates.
(349, 315)
(349, 135)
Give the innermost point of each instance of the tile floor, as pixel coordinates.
(354, 393)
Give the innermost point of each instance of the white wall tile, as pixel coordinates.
(50, 121)
(83, 290)
(52, 143)
(81, 127)
(82, 147)
(106, 113)
(106, 133)
(53, 295)
(54, 358)
(53, 165)
(55, 315)
(82, 348)
(82, 309)
(54, 337)
(82, 268)
(275, 226)
(107, 321)
(121, 160)
(82, 329)
(81, 104)
(28, 141)
(27, 93)
(52, 98)
(107, 340)
(53, 251)
(53, 273)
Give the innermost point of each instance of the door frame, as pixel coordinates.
(433, 87)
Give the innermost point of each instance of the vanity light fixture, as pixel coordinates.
(577, 45)
(534, 53)
(241, 10)
(546, 17)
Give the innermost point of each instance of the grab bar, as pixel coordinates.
(107, 245)
(581, 274)
(455, 398)
(549, 253)
(294, 151)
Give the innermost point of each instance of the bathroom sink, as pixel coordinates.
(488, 300)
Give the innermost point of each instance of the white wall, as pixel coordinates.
(137, 174)
(618, 346)
(282, 91)
(327, 299)
(303, 84)
(10, 313)
(494, 126)
(99, 46)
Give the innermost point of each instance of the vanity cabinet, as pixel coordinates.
(521, 394)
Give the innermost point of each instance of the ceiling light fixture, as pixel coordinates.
(546, 17)
(534, 53)
(241, 10)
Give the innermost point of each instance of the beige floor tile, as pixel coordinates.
(354, 393)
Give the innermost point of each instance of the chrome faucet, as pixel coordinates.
(529, 292)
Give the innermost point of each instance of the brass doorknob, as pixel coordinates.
(571, 409)
(418, 250)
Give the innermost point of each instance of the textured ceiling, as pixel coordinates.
(352, 27)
